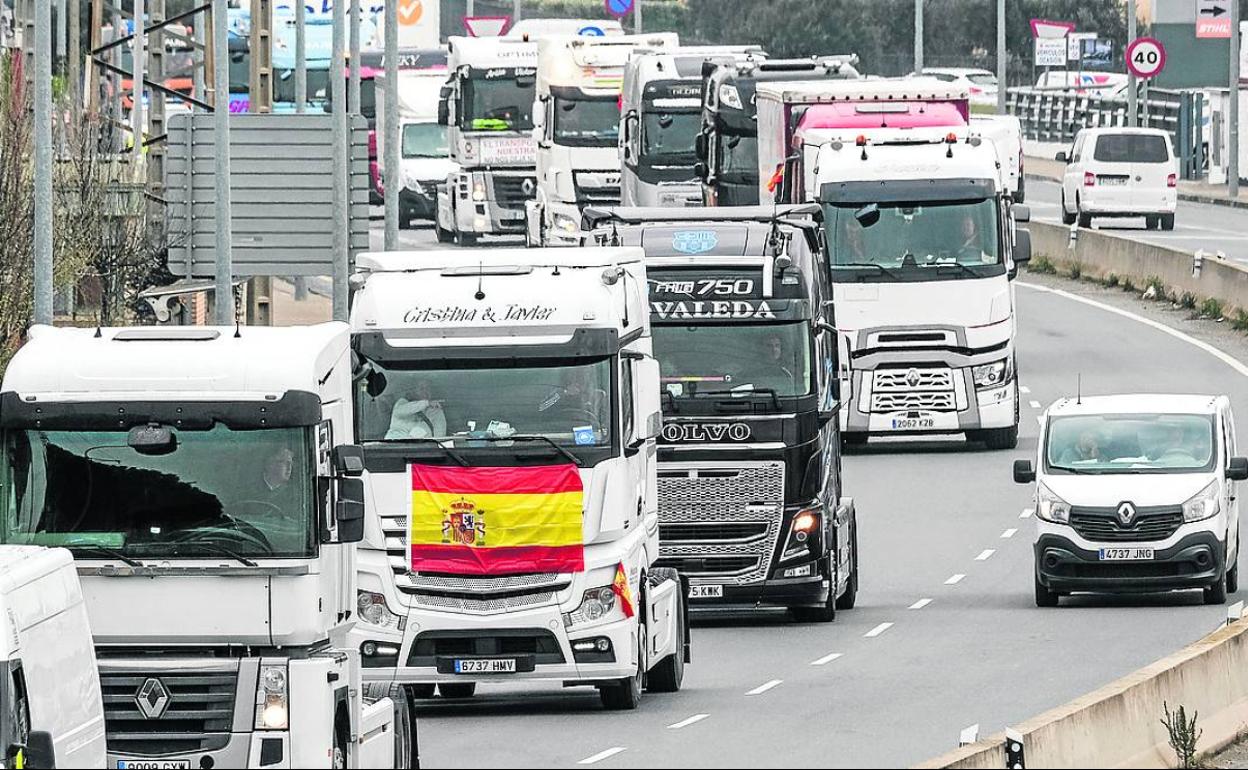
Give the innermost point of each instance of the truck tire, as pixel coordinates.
(1167, 221)
(406, 751)
(466, 239)
(1085, 220)
(338, 754)
(996, 439)
(420, 691)
(847, 600)
(458, 690)
(668, 675)
(1045, 597)
(1232, 574)
(444, 236)
(826, 612)
(624, 694)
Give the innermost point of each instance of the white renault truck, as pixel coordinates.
(509, 409)
(661, 114)
(577, 117)
(487, 107)
(204, 480)
(923, 249)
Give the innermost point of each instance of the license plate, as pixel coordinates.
(706, 592)
(152, 764)
(1127, 554)
(913, 423)
(1112, 181)
(486, 666)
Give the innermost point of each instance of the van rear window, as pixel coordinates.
(1132, 148)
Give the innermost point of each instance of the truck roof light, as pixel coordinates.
(861, 141)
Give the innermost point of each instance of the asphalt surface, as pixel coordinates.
(946, 634)
(1197, 225)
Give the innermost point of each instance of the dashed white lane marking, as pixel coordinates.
(595, 759)
(762, 688)
(954, 580)
(693, 720)
(985, 554)
(1026, 391)
(826, 659)
(881, 628)
(1026, 514)
(920, 604)
(1009, 533)
(1035, 404)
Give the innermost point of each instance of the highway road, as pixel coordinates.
(1197, 225)
(945, 635)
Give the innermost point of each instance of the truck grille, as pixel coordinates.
(597, 189)
(540, 643)
(1151, 524)
(720, 521)
(509, 190)
(929, 389)
(198, 715)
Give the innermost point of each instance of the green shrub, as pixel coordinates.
(1239, 321)
(1111, 280)
(1042, 265)
(1074, 270)
(1127, 284)
(1188, 300)
(1211, 308)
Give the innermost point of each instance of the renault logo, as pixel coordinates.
(152, 698)
(1126, 514)
(913, 378)
(528, 186)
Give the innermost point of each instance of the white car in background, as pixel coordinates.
(1086, 82)
(1136, 493)
(1120, 172)
(980, 83)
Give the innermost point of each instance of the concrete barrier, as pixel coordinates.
(1120, 724)
(1101, 254)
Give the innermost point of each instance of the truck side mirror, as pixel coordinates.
(1237, 469)
(699, 146)
(38, 751)
(701, 171)
(349, 510)
(349, 460)
(1022, 249)
(1062, 157)
(1024, 473)
(647, 402)
(828, 413)
(1022, 214)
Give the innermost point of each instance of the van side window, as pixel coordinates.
(1078, 150)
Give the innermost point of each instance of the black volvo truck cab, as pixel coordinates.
(751, 505)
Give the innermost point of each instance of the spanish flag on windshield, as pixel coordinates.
(496, 521)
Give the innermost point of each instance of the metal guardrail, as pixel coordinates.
(1056, 116)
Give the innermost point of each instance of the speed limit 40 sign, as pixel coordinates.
(1146, 57)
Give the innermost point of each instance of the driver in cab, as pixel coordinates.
(274, 487)
(577, 398)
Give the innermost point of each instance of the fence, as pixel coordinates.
(1056, 116)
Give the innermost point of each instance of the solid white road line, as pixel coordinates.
(954, 580)
(611, 752)
(1026, 514)
(1035, 404)
(881, 628)
(1026, 391)
(920, 604)
(1225, 358)
(693, 720)
(985, 554)
(826, 659)
(762, 688)
(1009, 533)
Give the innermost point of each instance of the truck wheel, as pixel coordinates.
(420, 691)
(1216, 593)
(848, 599)
(996, 439)
(1045, 597)
(668, 675)
(1085, 220)
(338, 755)
(624, 694)
(444, 236)
(1167, 221)
(1232, 574)
(458, 691)
(825, 613)
(466, 239)
(406, 753)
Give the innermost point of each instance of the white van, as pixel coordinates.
(51, 710)
(1136, 493)
(1120, 172)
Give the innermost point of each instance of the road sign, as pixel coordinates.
(1075, 44)
(1213, 19)
(619, 8)
(486, 26)
(1146, 57)
(1050, 51)
(1043, 28)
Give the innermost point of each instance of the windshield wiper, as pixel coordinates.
(878, 267)
(113, 552)
(436, 442)
(533, 437)
(775, 397)
(963, 268)
(223, 551)
(671, 399)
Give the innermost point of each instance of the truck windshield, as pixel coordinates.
(425, 140)
(219, 492)
(497, 104)
(667, 137)
(734, 359)
(587, 122)
(736, 157)
(1133, 443)
(569, 403)
(914, 241)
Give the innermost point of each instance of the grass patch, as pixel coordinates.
(1042, 265)
(1128, 285)
(1187, 301)
(1074, 270)
(1239, 321)
(1154, 285)
(1211, 308)
(1111, 281)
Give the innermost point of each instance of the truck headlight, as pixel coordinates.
(566, 223)
(1205, 505)
(1050, 507)
(803, 540)
(272, 712)
(596, 605)
(373, 610)
(992, 375)
(478, 192)
(729, 95)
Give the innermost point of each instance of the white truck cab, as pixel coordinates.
(1136, 493)
(531, 372)
(577, 129)
(424, 150)
(51, 710)
(204, 480)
